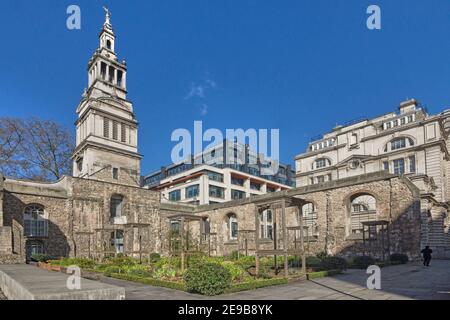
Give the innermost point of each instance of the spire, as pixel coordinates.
(107, 25)
(107, 36)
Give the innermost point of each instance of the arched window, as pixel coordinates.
(108, 44)
(266, 224)
(322, 163)
(116, 206)
(399, 143)
(35, 221)
(117, 241)
(362, 209)
(309, 216)
(232, 226)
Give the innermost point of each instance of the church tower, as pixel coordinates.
(106, 140)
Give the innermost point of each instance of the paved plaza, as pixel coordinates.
(411, 281)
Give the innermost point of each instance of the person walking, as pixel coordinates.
(426, 256)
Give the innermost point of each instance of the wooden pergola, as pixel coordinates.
(243, 239)
(280, 247)
(126, 229)
(182, 238)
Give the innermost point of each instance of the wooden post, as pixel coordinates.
(283, 221)
(364, 240)
(275, 236)
(383, 234)
(182, 243)
(302, 243)
(257, 264)
(388, 241)
(89, 246)
(140, 248)
(182, 261)
(257, 239)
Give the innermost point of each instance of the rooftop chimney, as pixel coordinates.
(408, 105)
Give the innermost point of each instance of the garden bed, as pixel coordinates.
(322, 274)
(203, 275)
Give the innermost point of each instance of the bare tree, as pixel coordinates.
(34, 149)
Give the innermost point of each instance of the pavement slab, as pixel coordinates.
(25, 282)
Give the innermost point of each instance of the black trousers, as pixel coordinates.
(426, 260)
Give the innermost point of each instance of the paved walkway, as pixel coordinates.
(25, 282)
(411, 281)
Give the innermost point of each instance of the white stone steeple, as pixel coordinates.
(106, 126)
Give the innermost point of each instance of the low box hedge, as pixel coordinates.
(322, 274)
(256, 284)
(150, 281)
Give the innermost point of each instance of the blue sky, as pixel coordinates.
(300, 66)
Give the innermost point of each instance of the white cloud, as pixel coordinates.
(204, 109)
(198, 92)
(195, 91)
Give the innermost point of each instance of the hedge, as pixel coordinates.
(252, 285)
(322, 274)
(208, 279)
(150, 281)
(256, 284)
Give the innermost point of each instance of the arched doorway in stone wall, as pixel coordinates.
(34, 247)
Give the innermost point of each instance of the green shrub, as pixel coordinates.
(293, 261)
(333, 263)
(121, 261)
(313, 262)
(155, 257)
(80, 262)
(399, 257)
(234, 255)
(38, 257)
(111, 270)
(246, 262)
(363, 262)
(173, 262)
(322, 255)
(255, 284)
(151, 281)
(195, 259)
(166, 271)
(208, 279)
(322, 274)
(235, 271)
(139, 271)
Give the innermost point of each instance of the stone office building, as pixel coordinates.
(410, 143)
(102, 209)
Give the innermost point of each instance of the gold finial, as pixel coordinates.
(108, 15)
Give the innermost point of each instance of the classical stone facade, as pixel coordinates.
(409, 142)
